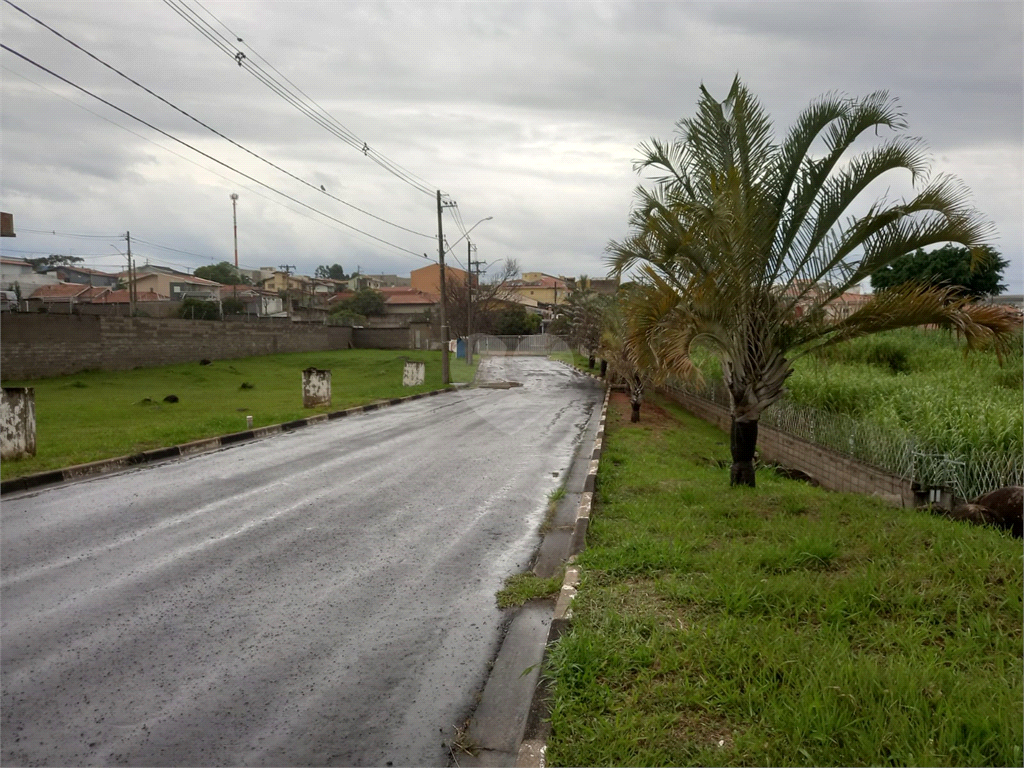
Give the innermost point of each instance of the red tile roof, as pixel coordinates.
(414, 297)
(59, 291)
(122, 297)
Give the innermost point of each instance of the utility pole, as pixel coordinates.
(445, 374)
(132, 292)
(469, 301)
(287, 269)
(234, 221)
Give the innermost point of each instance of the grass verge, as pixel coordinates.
(782, 625)
(520, 588)
(575, 359)
(101, 414)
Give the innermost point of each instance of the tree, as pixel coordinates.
(223, 272)
(197, 309)
(631, 364)
(514, 320)
(232, 306)
(585, 310)
(365, 303)
(332, 272)
(488, 300)
(948, 265)
(44, 263)
(738, 230)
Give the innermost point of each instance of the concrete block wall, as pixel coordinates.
(36, 346)
(394, 338)
(830, 469)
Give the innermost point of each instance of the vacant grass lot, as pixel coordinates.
(782, 625)
(100, 414)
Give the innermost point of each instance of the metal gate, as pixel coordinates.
(537, 344)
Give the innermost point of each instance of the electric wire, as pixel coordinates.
(206, 126)
(318, 115)
(199, 151)
(69, 234)
(249, 189)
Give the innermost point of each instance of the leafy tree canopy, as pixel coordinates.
(366, 302)
(948, 265)
(332, 272)
(54, 260)
(223, 272)
(516, 321)
(197, 309)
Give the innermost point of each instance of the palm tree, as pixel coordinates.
(631, 363)
(744, 244)
(585, 310)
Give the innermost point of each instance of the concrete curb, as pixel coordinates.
(104, 466)
(533, 749)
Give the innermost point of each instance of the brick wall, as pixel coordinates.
(830, 469)
(34, 346)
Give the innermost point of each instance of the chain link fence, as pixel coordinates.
(968, 475)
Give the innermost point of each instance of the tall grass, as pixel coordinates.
(923, 384)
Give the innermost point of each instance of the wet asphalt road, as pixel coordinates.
(321, 597)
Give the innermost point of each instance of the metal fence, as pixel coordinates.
(967, 475)
(537, 344)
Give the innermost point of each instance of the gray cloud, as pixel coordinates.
(528, 112)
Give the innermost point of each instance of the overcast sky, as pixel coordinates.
(528, 113)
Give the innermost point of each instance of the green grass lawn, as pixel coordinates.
(782, 625)
(100, 414)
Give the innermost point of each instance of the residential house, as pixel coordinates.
(810, 294)
(544, 289)
(409, 305)
(608, 287)
(83, 275)
(19, 274)
(172, 283)
(257, 301)
(391, 281)
(62, 297)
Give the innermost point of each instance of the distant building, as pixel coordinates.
(18, 273)
(165, 281)
(392, 281)
(83, 275)
(544, 289)
(428, 278)
(257, 301)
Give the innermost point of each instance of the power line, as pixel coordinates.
(315, 112)
(69, 234)
(252, 190)
(206, 126)
(199, 151)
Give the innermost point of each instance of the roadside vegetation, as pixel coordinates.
(575, 359)
(101, 414)
(786, 625)
(919, 382)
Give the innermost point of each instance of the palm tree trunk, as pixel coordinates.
(742, 443)
(636, 398)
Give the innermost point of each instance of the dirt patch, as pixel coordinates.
(652, 416)
(703, 729)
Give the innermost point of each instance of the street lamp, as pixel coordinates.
(487, 218)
